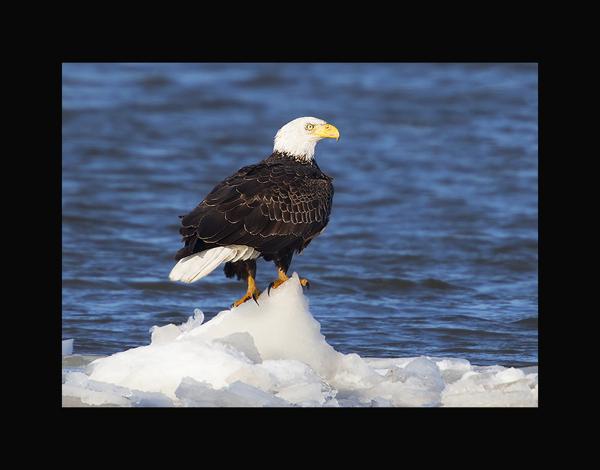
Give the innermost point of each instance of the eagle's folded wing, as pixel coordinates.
(264, 206)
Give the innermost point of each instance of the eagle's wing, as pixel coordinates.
(268, 206)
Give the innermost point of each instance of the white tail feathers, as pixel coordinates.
(196, 266)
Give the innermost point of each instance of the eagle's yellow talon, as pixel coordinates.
(252, 293)
(239, 302)
(280, 280)
(277, 283)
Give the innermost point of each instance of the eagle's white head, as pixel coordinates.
(299, 137)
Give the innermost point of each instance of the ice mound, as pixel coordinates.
(273, 354)
(67, 347)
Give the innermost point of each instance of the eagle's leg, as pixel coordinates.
(245, 269)
(281, 278)
(251, 293)
(283, 264)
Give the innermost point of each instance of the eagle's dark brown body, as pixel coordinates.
(276, 207)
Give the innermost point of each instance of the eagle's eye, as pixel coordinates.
(309, 127)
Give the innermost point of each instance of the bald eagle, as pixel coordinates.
(270, 210)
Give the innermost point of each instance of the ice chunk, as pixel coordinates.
(161, 367)
(426, 373)
(67, 347)
(530, 370)
(78, 361)
(281, 326)
(305, 394)
(242, 342)
(509, 375)
(452, 369)
(194, 321)
(90, 392)
(492, 386)
(164, 334)
(77, 385)
(201, 394)
(167, 333)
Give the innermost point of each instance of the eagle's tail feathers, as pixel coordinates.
(196, 266)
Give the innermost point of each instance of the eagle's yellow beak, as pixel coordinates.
(327, 131)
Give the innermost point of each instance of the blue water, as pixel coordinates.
(432, 245)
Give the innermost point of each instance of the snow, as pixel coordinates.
(274, 355)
